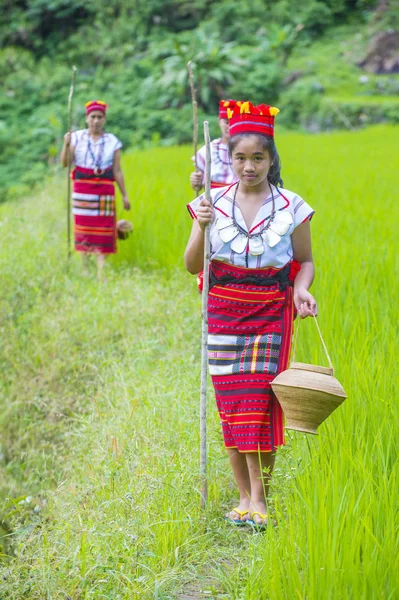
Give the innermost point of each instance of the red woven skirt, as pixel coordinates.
(93, 202)
(95, 234)
(249, 342)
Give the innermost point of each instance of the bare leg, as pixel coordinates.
(240, 470)
(100, 267)
(85, 263)
(260, 480)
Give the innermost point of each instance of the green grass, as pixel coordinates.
(159, 189)
(364, 100)
(99, 400)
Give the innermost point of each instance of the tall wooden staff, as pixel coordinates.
(205, 290)
(71, 90)
(204, 348)
(195, 113)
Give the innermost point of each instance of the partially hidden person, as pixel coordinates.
(222, 173)
(96, 156)
(261, 269)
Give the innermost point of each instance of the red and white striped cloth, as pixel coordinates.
(222, 173)
(93, 206)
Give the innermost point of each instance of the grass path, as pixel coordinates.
(99, 415)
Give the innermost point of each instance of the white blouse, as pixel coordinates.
(90, 154)
(221, 169)
(278, 255)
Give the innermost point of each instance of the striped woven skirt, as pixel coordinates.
(93, 202)
(249, 342)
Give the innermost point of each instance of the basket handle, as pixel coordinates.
(322, 341)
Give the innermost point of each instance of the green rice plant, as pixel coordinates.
(158, 186)
(99, 400)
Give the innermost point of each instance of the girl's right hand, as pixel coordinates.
(67, 139)
(205, 213)
(196, 180)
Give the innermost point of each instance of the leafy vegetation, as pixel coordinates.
(99, 400)
(135, 56)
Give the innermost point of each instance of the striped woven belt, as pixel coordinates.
(281, 278)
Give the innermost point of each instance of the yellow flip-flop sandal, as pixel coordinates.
(237, 522)
(259, 526)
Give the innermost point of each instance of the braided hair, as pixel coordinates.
(267, 142)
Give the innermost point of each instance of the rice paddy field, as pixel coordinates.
(99, 394)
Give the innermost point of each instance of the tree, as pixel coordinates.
(216, 65)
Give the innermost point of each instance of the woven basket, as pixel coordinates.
(124, 229)
(308, 394)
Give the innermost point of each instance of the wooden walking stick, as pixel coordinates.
(71, 90)
(204, 347)
(195, 114)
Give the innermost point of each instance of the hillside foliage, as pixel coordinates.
(134, 55)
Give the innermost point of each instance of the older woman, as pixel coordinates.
(96, 155)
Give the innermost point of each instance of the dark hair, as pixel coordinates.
(274, 176)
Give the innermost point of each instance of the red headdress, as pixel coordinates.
(96, 105)
(247, 118)
(223, 106)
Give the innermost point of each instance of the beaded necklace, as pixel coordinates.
(268, 219)
(240, 240)
(96, 161)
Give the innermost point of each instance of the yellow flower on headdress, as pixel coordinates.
(100, 102)
(245, 108)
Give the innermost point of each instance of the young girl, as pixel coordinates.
(222, 173)
(261, 268)
(96, 155)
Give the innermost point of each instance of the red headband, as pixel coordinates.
(223, 106)
(96, 105)
(247, 118)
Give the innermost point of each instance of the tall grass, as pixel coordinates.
(158, 187)
(99, 396)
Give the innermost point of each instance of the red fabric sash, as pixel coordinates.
(240, 309)
(85, 181)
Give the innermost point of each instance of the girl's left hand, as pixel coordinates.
(305, 304)
(126, 203)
